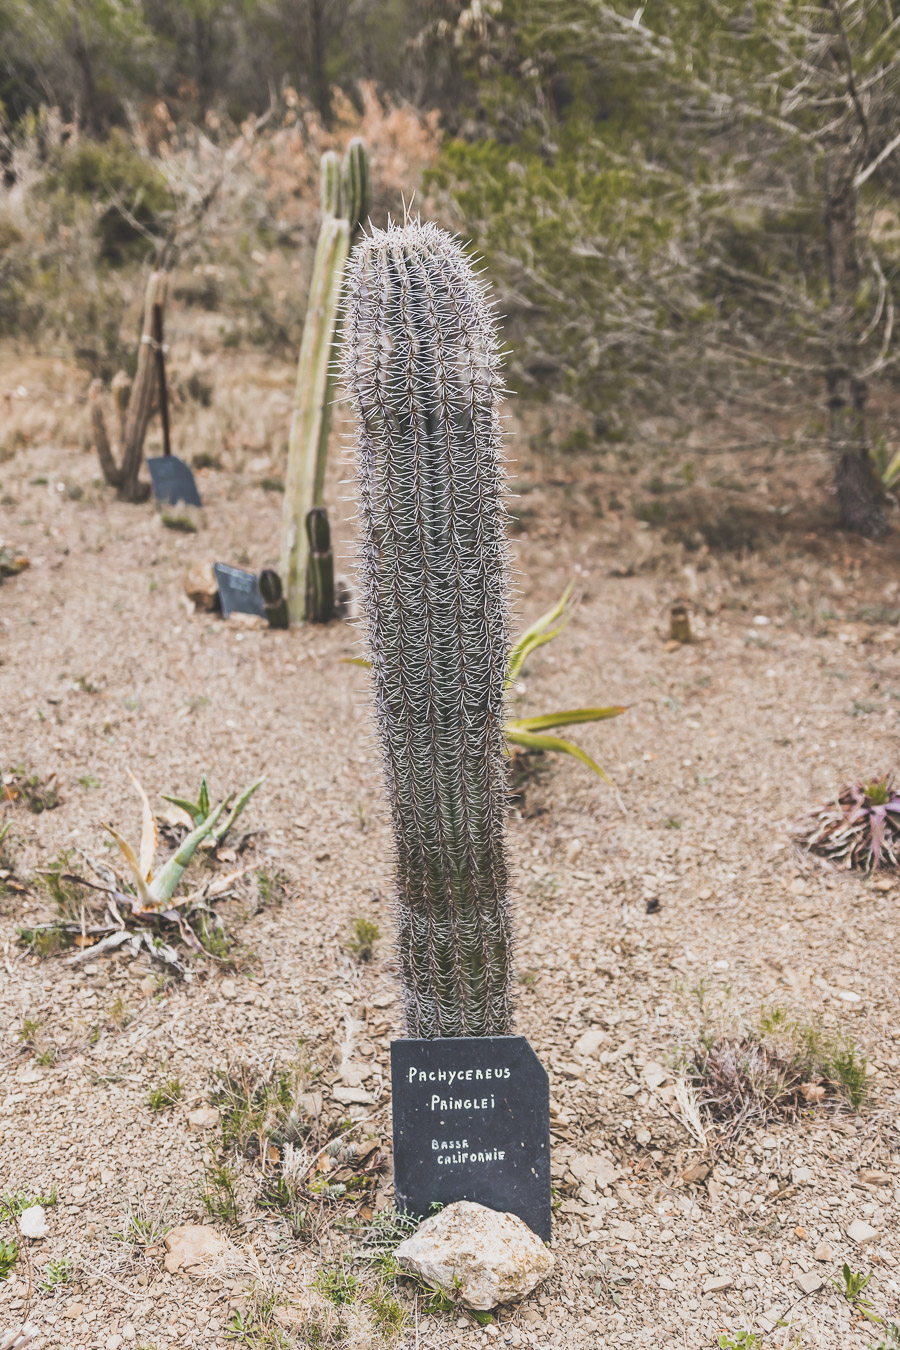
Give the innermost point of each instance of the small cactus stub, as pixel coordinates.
(422, 367)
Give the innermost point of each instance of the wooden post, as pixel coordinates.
(111, 471)
(141, 402)
(161, 376)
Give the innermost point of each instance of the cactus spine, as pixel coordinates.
(421, 364)
(345, 201)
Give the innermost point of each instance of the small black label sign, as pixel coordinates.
(173, 481)
(238, 591)
(472, 1122)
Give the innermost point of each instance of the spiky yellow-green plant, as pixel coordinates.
(530, 733)
(422, 368)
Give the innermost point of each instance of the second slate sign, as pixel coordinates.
(472, 1122)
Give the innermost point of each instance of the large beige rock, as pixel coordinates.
(477, 1255)
(191, 1248)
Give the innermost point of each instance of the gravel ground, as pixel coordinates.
(673, 903)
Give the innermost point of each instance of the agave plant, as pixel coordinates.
(531, 732)
(137, 913)
(199, 811)
(860, 829)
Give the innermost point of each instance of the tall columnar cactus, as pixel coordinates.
(421, 364)
(345, 203)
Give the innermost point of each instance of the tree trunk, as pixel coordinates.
(140, 404)
(317, 73)
(858, 491)
(204, 43)
(90, 115)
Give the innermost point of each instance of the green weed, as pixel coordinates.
(9, 1252)
(219, 1192)
(256, 1107)
(182, 524)
(139, 1230)
(256, 1328)
(390, 1316)
(338, 1285)
(118, 1012)
(165, 1095)
(768, 1071)
(851, 1286)
(43, 942)
(272, 885)
(28, 1030)
(742, 1340)
(12, 1203)
(365, 935)
(57, 1272)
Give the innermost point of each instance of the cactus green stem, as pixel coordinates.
(422, 368)
(320, 570)
(344, 200)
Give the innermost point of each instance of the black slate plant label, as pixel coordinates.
(472, 1122)
(238, 591)
(173, 481)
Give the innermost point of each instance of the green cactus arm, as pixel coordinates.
(330, 184)
(308, 447)
(162, 888)
(355, 188)
(220, 833)
(530, 740)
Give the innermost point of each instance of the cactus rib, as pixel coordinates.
(422, 367)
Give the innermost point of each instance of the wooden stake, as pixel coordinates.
(161, 376)
(140, 404)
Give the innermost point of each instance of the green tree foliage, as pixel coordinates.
(95, 58)
(681, 201)
(84, 56)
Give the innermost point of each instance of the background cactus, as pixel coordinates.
(345, 202)
(421, 364)
(319, 567)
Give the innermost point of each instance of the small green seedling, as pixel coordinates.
(742, 1340)
(165, 1094)
(9, 1252)
(28, 1030)
(219, 1192)
(57, 1272)
(365, 935)
(854, 1282)
(338, 1285)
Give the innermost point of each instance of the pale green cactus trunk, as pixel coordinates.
(345, 197)
(421, 364)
